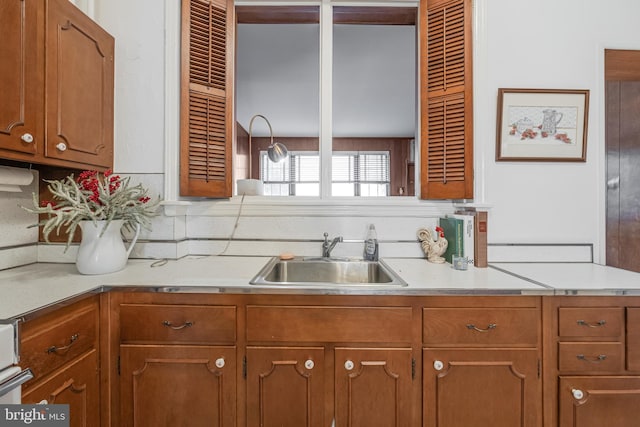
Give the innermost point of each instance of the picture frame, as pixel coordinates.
(542, 125)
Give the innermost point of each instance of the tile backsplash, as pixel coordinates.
(18, 242)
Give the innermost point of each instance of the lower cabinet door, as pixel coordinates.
(481, 388)
(599, 401)
(373, 387)
(177, 386)
(77, 385)
(285, 387)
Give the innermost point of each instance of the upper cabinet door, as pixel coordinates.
(79, 87)
(51, 44)
(446, 99)
(22, 105)
(206, 106)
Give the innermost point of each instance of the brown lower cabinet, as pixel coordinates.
(481, 362)
(77, 385)
(177, 385)
(592, 370)
(131, 358)
(596, 401)
(61, 348)
(289, 386)
(481, 387)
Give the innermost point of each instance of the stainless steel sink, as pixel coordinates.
(329, 272)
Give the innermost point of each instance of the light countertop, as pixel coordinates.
(26, 289)
(577, 278)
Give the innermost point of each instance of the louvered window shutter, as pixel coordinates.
(206, 98)
(446, 100)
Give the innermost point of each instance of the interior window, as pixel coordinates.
(373, 112)
(297, 175)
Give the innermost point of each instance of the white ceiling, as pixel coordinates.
(374, 89)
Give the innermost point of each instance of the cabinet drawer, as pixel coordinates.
(51, 341)
(480, 326)
(329, 324)
(590, 356)
(177, 323)
(590, 321)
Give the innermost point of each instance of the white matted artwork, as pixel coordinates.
(543, 125)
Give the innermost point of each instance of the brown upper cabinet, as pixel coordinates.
(57, 85)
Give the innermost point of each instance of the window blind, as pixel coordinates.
(353, 174)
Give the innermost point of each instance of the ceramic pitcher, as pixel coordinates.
(103, 252)
(550, 119)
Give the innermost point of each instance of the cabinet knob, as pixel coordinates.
(27, 137)
(309, 364)
(438, 365)
(61, 146)
(577, 393)
(220, 363)
(349, 365)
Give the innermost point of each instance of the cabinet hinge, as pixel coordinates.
(118, 365)
(539, 369)
(244, 367)
(413, 368)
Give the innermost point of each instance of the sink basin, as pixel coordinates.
(326, 272)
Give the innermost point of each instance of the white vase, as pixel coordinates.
(103, 252)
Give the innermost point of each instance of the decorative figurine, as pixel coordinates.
(433, 244)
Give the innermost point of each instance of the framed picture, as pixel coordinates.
(542, 125)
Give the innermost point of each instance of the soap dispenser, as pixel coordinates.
(371, 244)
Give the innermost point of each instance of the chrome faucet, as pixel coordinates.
(327, 246)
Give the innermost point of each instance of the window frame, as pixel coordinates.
(172, 112)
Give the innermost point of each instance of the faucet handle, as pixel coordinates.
(326, 236)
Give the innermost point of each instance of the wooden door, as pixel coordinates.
(285, 387)
(79, 87)
(21, 67)
(599, 401)
(622, 74)
(373, 387)
(481, 388)
(77, 385)
(175, 386)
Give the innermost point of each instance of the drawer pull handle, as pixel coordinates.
(577, 393)
(64, 348)
(309, 364)
(349, 365)
(599, 324)
(596, 359)
(487, 329)
(220, 363)
(168, 324)
(438, 365)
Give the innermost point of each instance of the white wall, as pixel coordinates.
(138, 27)
(546, 44)
(549, 44)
